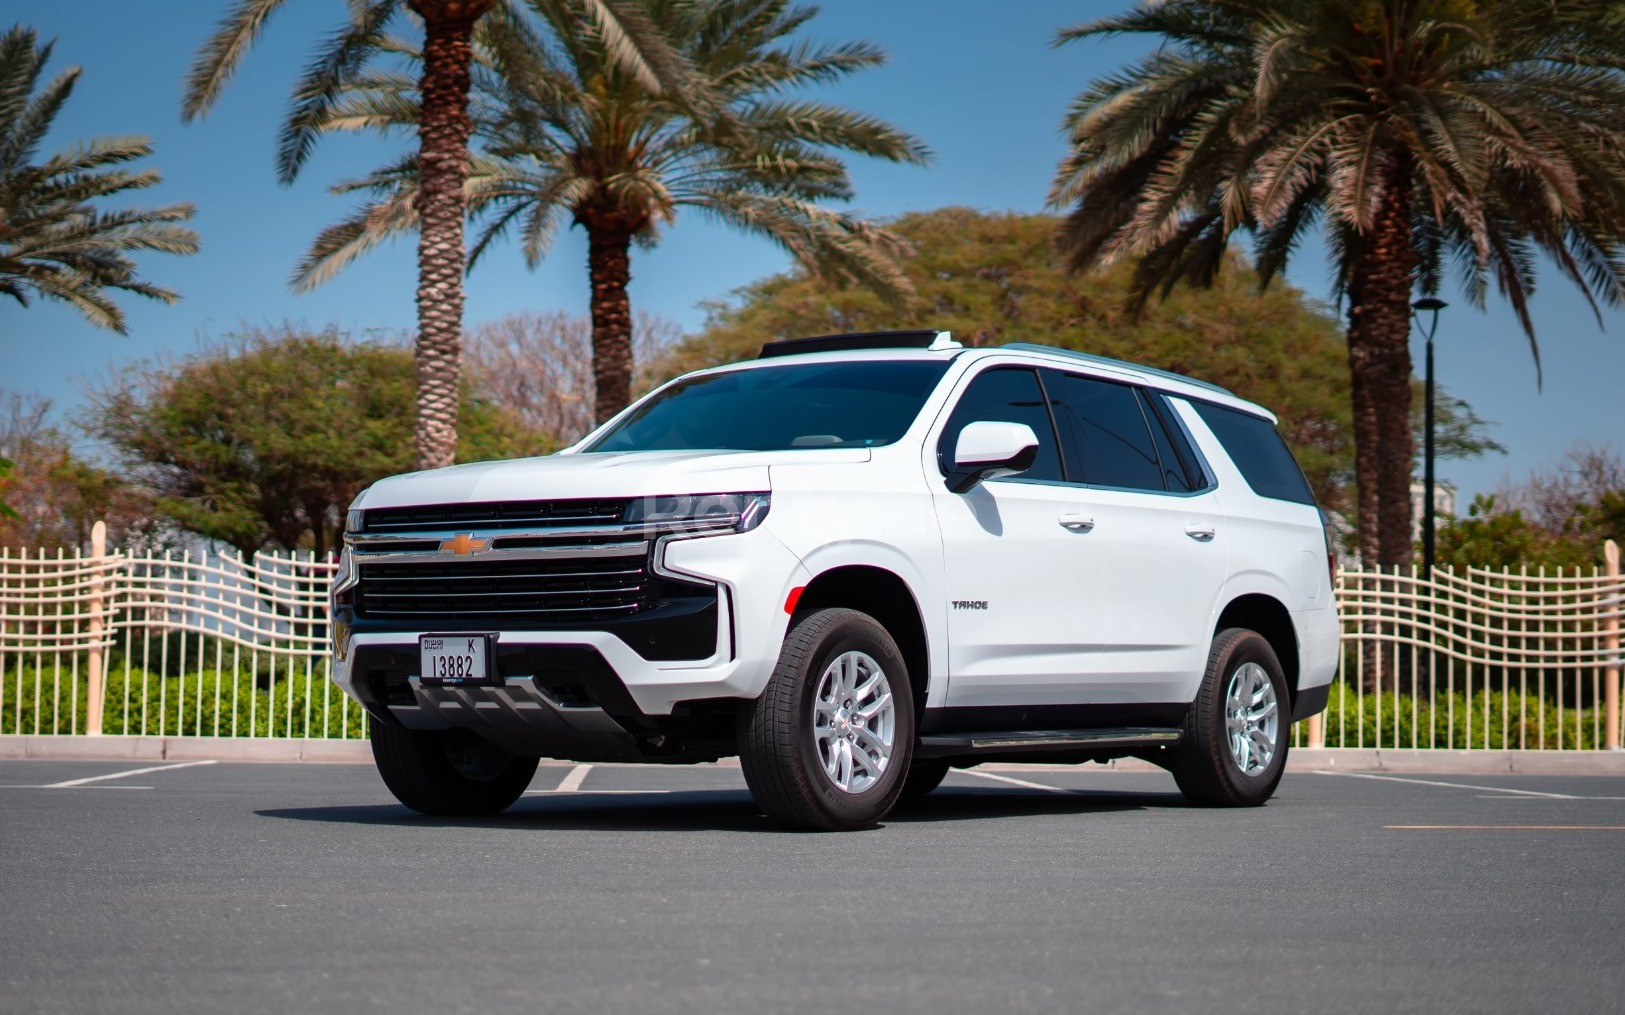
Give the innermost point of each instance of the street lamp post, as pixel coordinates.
(1433, 305)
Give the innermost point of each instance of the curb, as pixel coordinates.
(359, 752)
(121, 748)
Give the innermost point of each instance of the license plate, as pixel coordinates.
(458, 660)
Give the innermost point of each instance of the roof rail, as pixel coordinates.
(1107, 361)
(931, 341)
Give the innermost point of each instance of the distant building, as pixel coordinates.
(1444, 503)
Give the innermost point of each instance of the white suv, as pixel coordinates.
(855, 562)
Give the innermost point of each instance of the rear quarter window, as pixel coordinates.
(1258, 450)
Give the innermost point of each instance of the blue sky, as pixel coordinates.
(978, 81)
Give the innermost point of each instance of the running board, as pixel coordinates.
(946, 744)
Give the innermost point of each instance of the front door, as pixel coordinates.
(1022, 565)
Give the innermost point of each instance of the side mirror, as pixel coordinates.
(987, 450)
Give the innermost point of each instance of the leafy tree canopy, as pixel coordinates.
(1492, 535)
(995, 278)
(266, 439)
(55, 495)
(1558, 517)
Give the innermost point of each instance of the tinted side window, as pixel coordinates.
(1179, 468)
(1104, 432)
(1259, 452)
(1009, 395)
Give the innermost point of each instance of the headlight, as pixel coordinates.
(344, 579)
(353, 519)
(698, 513)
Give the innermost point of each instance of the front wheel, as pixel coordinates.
(827, 745)
(1235, 738)
(923, 777)
(451, 773)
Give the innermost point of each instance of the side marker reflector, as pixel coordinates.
(793, 598)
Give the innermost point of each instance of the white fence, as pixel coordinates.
(182, 644)
(168, 644)
(1478, 659)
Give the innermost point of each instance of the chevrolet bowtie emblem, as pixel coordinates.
(464, 544)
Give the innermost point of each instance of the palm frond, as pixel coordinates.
(56, 241)
(219, 57)
(319, 89)
(338, 245)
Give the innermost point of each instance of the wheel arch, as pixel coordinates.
(886, 597)
(1266, 615)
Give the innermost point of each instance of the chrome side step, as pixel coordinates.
(944, 744)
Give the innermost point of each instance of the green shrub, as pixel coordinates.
(209, 702)
(1454, 721)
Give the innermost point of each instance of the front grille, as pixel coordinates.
(516, 514)
(571, 589)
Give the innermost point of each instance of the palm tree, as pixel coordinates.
(443, 130)
(1419, 135)
(566, 131)
(53, 241)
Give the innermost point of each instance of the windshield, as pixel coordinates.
(854, 404)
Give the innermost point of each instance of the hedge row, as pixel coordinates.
(205, 703)
(1456, 721)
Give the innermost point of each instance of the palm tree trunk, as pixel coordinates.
(609, 266)
(1379, 294)
(444, 127)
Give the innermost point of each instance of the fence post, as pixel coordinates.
(94, 605)
(1610, 644)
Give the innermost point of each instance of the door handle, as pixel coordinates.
(1199, 532)
(1076, 522)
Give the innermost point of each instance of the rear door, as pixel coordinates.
(1161, 545)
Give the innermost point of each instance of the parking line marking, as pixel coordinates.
(1023, 783)
(75, 787)
(1498, 796)
(1506, 828)
(596, 792)
(1454, 785)
(573, 779)
(71, 783)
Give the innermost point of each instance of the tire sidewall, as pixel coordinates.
(1250, 647)
(856, 632)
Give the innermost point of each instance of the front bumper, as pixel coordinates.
(591, 694)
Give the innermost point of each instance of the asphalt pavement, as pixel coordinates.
(168, 887)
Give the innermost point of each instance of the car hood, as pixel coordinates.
(592, 476)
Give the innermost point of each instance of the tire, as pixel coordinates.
(922, 778)
(791, 737)
(1213, 769)
(450, 773)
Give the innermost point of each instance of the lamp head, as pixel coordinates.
(1432, 303)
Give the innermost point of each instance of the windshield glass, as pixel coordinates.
(809, 405)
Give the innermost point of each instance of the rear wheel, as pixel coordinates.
(828, 743)
(1234, 746)
(450, 772)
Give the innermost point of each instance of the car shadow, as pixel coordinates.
(729, 810)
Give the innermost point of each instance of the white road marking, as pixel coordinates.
(1454, 785)
(1497, 796)
(75, 787)
(596, 792)
(1023, 783)
(572, 780)
(121, 775)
